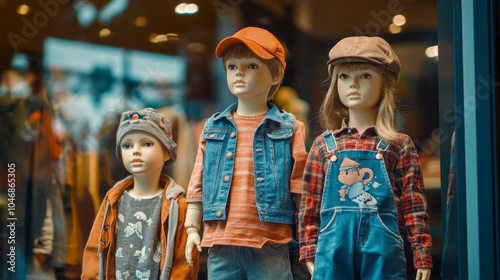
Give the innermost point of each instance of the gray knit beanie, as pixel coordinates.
(150, 121)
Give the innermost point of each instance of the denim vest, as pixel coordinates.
(272, 160)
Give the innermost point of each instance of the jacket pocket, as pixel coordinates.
(279, 164)
(213, 162)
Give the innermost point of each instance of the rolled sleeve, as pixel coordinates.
(299, 155)
(194, 191)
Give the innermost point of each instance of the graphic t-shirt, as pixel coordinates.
(138, 246)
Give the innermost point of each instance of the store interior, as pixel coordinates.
(89, 60)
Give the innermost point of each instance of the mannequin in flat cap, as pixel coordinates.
(363, 191)
(248, 167)
(139, 230)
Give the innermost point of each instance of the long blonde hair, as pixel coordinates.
(333, 111)
(274, 65)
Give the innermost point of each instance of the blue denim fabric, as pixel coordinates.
(237, 262)
(359, 237)
(272, 160)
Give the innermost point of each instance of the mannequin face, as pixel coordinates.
(249, 78)
(142, 153)
(359, 89)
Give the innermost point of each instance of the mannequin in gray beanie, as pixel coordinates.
(139, 229)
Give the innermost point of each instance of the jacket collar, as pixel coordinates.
(273, 114)
(170, 191)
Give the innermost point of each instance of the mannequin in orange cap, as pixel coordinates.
(248, 167)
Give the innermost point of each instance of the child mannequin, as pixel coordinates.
(250, 160)
(361, 176)
(139, 230)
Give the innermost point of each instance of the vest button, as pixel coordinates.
(229, 155)
(227, 178)
(233, 134)
(211, 135)
(218, 214)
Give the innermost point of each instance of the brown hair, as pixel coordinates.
(274, 65)
(333, 111)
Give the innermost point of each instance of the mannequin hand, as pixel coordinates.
(310, 266)
(192, 240)
(423, 273)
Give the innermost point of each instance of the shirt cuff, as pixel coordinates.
(422, 259)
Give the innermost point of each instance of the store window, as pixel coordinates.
(469, 112)
(82, 62)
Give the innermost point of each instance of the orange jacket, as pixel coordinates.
(99, 253)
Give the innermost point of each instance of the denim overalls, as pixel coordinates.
(359, 237)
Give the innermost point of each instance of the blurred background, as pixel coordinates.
(69, 67)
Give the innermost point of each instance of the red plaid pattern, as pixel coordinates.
(403, 168)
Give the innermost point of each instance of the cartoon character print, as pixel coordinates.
(132, 229)
(141, 255)
(157, 254)
(354, 186)
(122, 276)
(136, 228)
(143, 275)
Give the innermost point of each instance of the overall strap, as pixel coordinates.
(331, 143)
(382, 145)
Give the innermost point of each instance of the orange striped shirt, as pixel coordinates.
(242, 226)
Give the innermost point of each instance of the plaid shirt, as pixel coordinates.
(403, 168)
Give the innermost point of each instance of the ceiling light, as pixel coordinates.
(394, 29)
(23, 9)
(431, 51)
(157, 38)
(399, 20)
(185, 8)
(141, 21)
(105, 33)
(172, 36)
(162, 38)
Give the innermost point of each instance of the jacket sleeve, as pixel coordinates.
(180, 266)
(299, 155)
(90, 266)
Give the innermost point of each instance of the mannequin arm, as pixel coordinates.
(192, 225)
(423, 273)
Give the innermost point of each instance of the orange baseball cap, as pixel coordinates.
(374, 50)
(260, 41)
